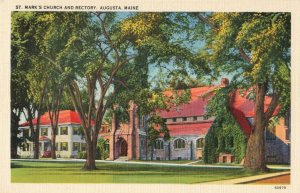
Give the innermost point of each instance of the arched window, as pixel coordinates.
(179, 144)
(159, 144)
(200, 143)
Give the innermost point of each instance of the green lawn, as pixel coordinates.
(70, 172)
(164, 161)
(218, 164)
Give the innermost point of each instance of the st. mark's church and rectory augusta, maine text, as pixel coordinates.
(78, 7)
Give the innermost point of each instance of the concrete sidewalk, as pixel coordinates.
(249, 179)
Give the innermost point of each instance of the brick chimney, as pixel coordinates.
(224, 82)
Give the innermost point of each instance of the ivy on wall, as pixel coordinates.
(102, 151)
(225, 134)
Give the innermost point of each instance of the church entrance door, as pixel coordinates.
(123, 148)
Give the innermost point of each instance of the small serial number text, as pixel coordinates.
(280, 187)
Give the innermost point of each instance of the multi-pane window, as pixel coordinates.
(76, 146)
(200, 143)
(184, 118)
(158, 144)
(76, 130)
(44, 131)
(174, 119)
(179, 144)
(64, 131)
(83, 146)
(64, 146)
(195, 118)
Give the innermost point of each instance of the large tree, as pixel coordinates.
(28, 73)
(89, 50)
(255, 49)
(53, 101)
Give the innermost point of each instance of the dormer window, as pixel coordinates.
(184, 119)
(195, 118)
(174, 119)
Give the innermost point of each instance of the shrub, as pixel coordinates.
(82, 155)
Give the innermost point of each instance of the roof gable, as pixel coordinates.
(196, 107)
(241, 107)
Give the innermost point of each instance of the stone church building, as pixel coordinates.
(187, 125)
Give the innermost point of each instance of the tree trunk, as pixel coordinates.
(90, 163)
(14, 135)
(255, 154)
(39, 114)
(53, 146)
(36, 152)
(151, 152)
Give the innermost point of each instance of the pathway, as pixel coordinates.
(284, 179)
(263, 178)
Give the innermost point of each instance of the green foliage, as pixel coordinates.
(102, 149)
(82, 155)
(252, 47)
(153, 132)
(225, 134)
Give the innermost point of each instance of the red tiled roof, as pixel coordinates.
(242, 120)
(191, 128)
(241, 108)
(196, 107)
(246, 106)
(65, 116)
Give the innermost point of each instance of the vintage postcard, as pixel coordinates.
(150, 96)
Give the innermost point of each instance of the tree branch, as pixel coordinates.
(244, 55)
(272, 107)
(212, 25)
(205, 20)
